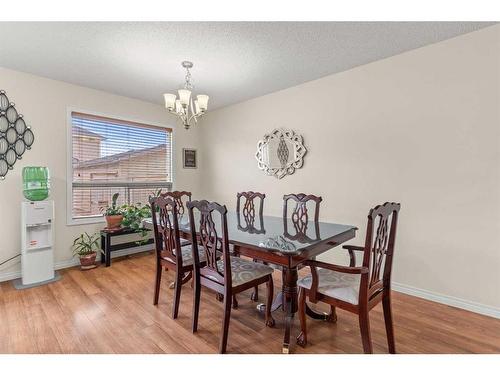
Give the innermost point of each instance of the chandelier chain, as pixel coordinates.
(188, 85)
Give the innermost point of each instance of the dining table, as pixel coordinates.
(281, 242)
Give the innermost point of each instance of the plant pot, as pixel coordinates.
(113, 221)
(88, 261)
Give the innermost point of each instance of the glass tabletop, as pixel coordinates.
(270, 232)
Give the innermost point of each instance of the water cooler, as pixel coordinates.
(37, 255)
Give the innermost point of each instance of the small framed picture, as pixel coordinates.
(189, 158)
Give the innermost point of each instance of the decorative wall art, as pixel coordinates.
(15, 136)
(189, 158)
(280, 153)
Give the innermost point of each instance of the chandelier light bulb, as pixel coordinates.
(184, 96)
(203, 102)
(169, 100)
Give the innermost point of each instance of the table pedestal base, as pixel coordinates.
(317, 315)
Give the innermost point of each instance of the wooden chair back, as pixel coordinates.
(300, 212)
(166, 229)
(379, 248)
(213, 238)
(177, 196)
(249, 204)
(249, 212)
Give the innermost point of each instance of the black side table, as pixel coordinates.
(107, 248)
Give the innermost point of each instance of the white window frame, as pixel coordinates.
(70, 220)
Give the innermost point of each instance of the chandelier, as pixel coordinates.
(187, 109)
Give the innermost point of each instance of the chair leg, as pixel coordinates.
(389, 328)
(270, 290)
(235, 302)
(332, 318)
(177, 295)
(225, 322)
(255, 294)
(196, 302)
(157, 284)
(364, 325)
(302, 337)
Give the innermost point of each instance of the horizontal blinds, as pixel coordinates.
(111, 156)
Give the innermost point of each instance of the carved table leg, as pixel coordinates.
(290, 277)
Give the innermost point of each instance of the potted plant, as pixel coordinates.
(113, 214)
(133, 215)
(86, 247)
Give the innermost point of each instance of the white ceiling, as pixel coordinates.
(233, 61)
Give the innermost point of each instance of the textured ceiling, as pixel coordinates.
(233, 61)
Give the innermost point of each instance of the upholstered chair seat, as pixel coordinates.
(187, 255)
(243, 271)
(342, 286)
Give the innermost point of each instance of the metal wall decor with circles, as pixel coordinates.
(15, 136)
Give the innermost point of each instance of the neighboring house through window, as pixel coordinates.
(115, 156)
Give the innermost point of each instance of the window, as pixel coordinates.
(115, 156)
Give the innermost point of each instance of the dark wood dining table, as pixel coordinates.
(279, 242)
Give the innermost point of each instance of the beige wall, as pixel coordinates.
(44, 104)
(421, 128)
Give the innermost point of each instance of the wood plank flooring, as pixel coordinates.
(110, 310)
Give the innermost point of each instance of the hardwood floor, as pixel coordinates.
(110, 310)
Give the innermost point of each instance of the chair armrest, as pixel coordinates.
(352, 247)
(335, 267)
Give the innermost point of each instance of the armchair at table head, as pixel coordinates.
(357, 289)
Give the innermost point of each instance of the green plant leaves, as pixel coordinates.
(112, 210)
(133, 215)
(86, 244)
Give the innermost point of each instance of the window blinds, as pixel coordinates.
(110, 155)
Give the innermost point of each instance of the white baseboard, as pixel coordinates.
(448, 300)
(12, 275)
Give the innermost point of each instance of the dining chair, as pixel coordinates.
(357, 289)
(167, 242)
(249, 214)
(227, 275)
(178, 196)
